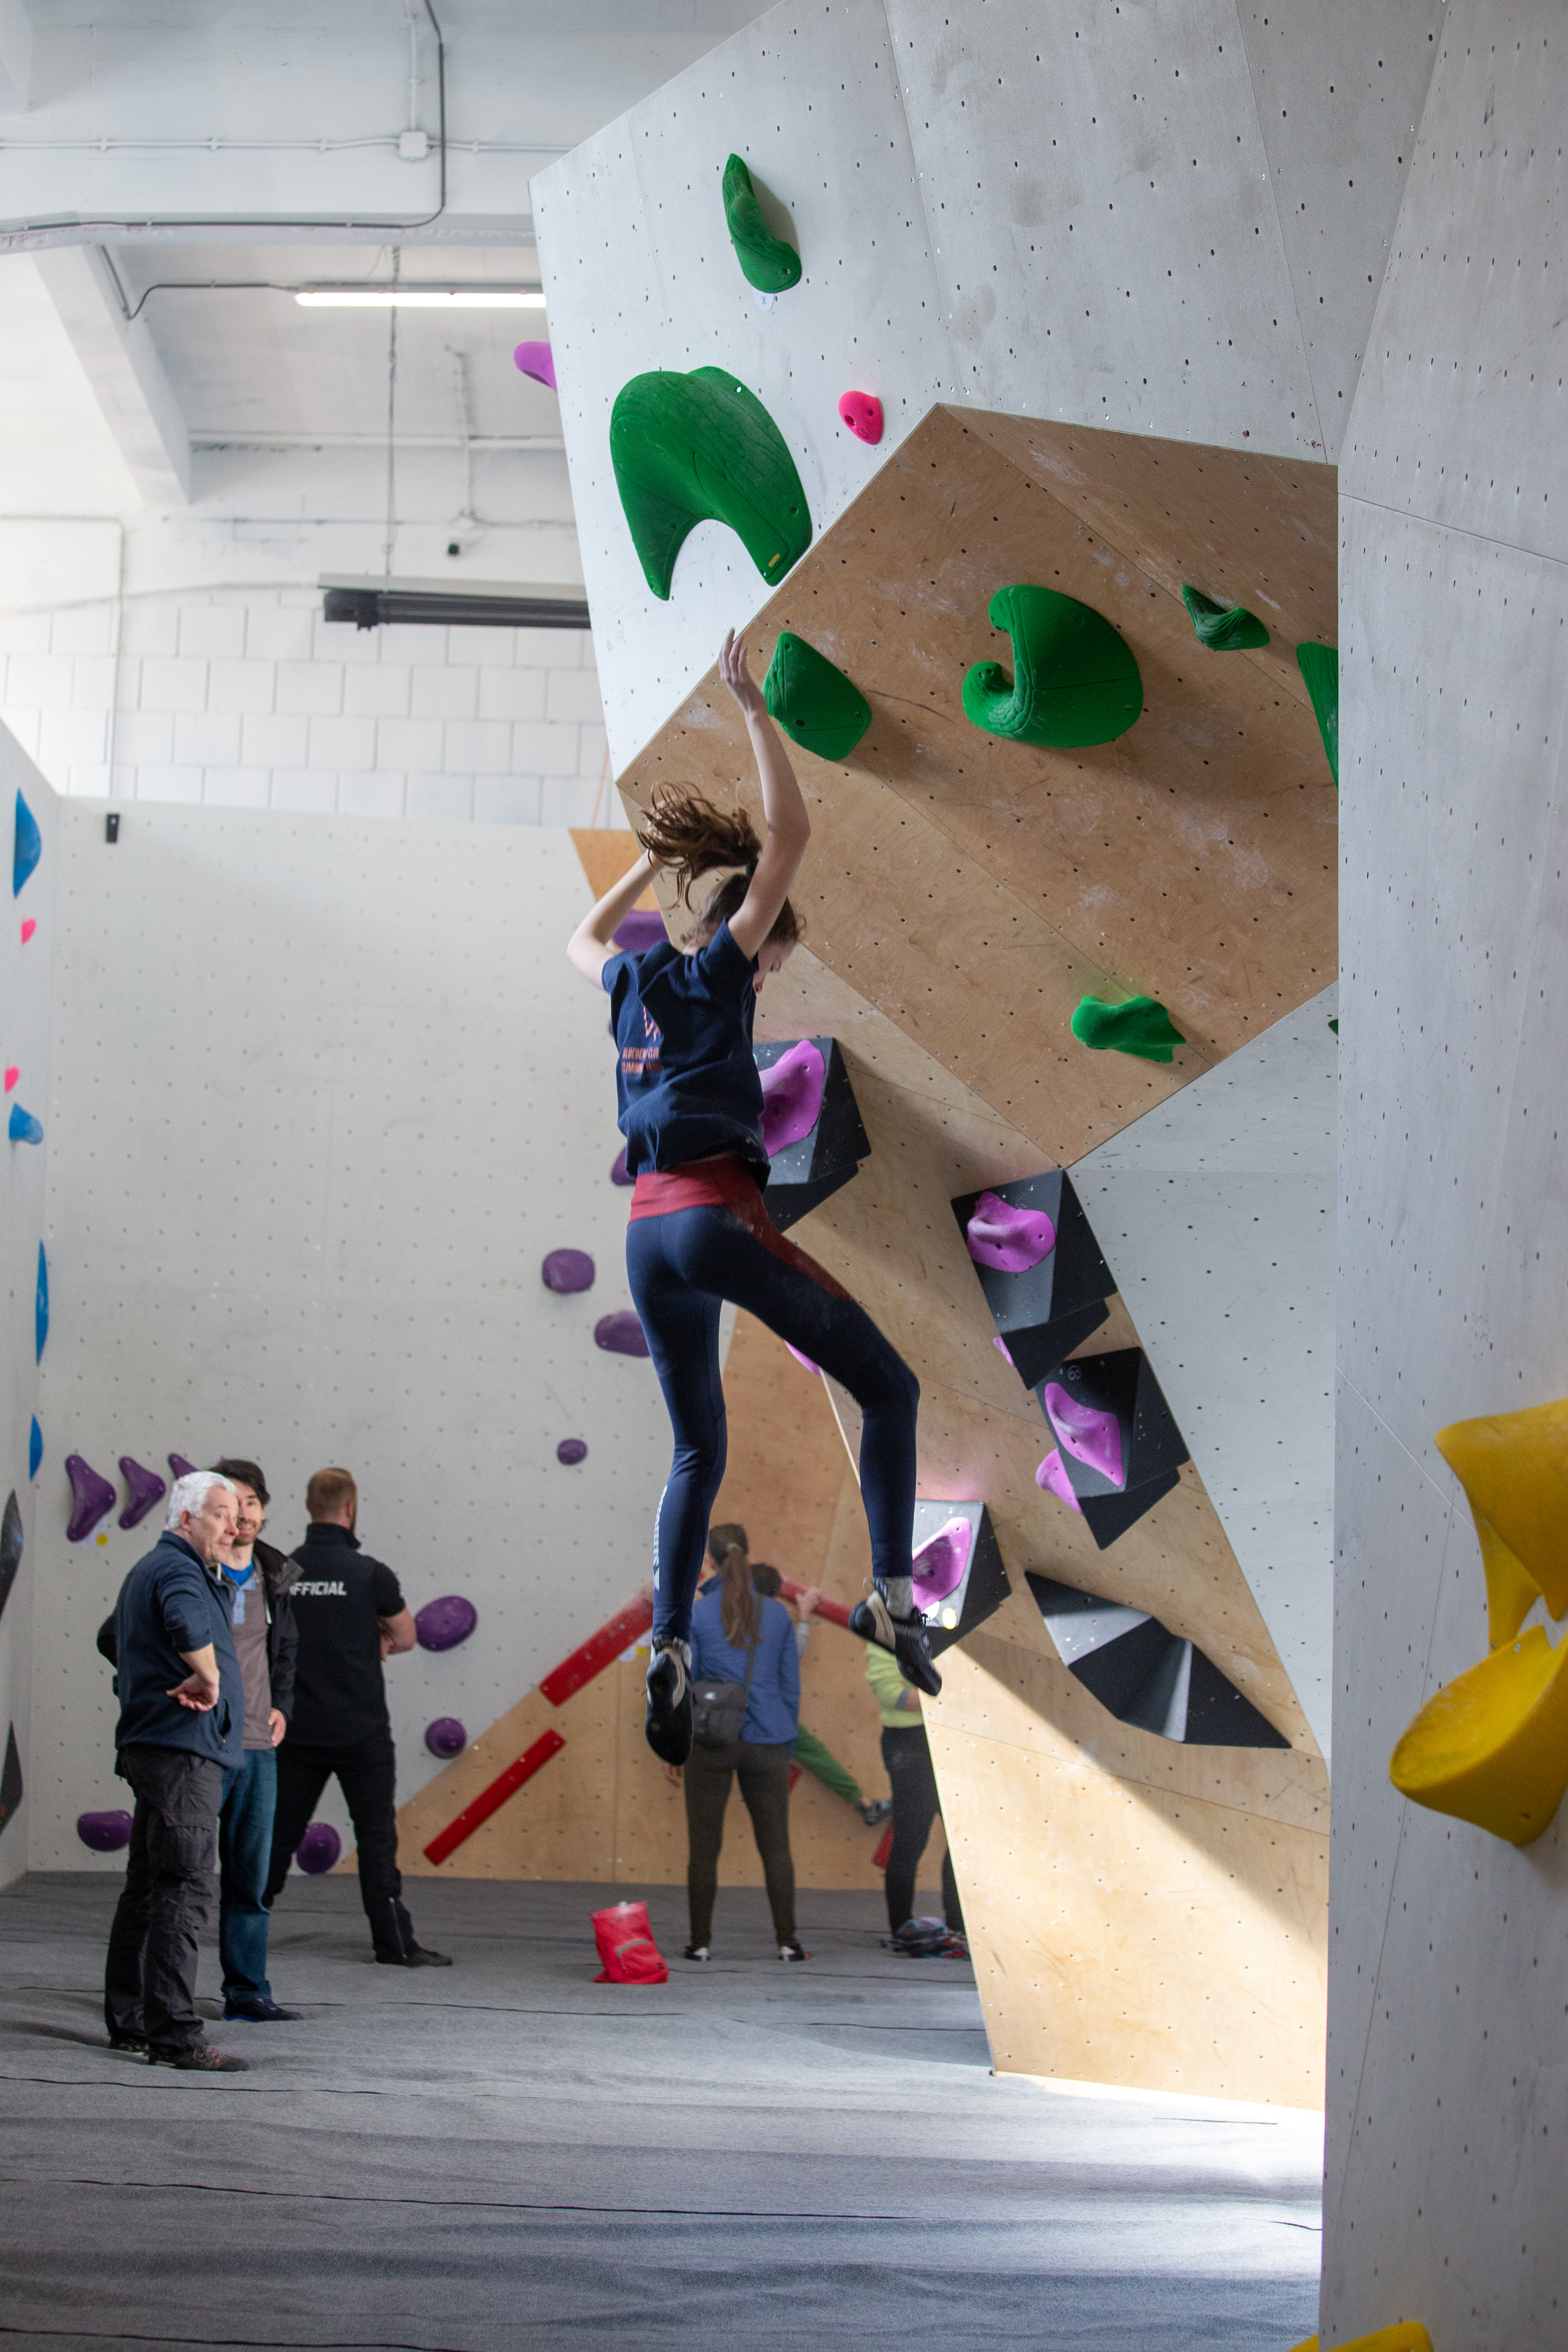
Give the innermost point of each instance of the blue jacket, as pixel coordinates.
(172, 1601)
(772, 1711)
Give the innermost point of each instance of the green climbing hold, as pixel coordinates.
(813, 701)
(701, 449)
(1074, 679)
(1320, 668)
(1224, 629)
(770, 262)
(1141, 1027)
(1335, 1027)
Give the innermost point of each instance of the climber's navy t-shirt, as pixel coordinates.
(687, 1078)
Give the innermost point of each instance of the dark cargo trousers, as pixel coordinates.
(366, 1771)
(150, 1975)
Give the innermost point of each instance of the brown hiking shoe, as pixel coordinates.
(201, 2058)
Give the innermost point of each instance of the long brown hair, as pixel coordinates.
(738, 1611)
(691, 837)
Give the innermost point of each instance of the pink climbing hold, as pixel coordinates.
(940, 1564)
(28, 927)
(538, 360)
(806, 1360)
(1012, 1239)
(1089, 1434)
(146, 1488)
(862, 412)
(792, 1095)
(1000, 1343)
(1052, 1476)
(11, 1077)
(92, 1494)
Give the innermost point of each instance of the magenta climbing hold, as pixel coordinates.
(442, 1625)
(319, 1849)
(1052, 1476)
(565, 1270)
(12, 1075)
(643, 929)
(940, 1563)
(146, 1488)
(572, 1450)
(538, 360)
(792, 1095)
(106, 1832)
(93, 1496)
(179, 1467)
(1089, 1434)
(1000, 1343)
(619, 1172)
(446, 1737)
(620, 1334)
(862, 412)
(1010, 1239)
(806, 1360)
(28, 927)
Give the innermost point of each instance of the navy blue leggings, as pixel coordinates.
(683, 1266)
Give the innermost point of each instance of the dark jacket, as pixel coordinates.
(172, 1603)
(278, 1574)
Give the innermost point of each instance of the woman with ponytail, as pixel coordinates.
(691, 1112)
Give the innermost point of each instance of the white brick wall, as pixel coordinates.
(247, 698)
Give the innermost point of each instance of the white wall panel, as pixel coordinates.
(1216, 1212)
(26, 967)
(640, 274)
(325, 1093)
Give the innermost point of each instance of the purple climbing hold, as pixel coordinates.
(621, 1334)
(620, 1173)
(104, 1833)
(806, 1360)
(93, 1496)
(1010, 1239)
(446, 1735)
(442, 1625)
(1089, 1434)
(792, 1095)
(572, 1450)
(567, 1269)
(538, 360)
(146, 1488)
(179, 1467)
(940, 1563)
(1052, 1476)
(319, 1849)
(642, 929)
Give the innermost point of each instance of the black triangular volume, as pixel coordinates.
(1122, 1383)
(837, 1142)
(1220, 1716)
(10, 1779)
(1038, 1352)
(787, 1204)
(983, 1593)
(1072, 1276)
(1121, 1674)
(1107, 1517)
(10, 1548)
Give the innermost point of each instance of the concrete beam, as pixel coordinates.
(15, 56)
(124, 371)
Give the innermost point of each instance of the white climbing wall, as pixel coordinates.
(1447, 2105)
(1170, 221)
(326, 1091)
(25, 969)
(1216, 1212)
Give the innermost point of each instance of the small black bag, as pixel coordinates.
(719, 1709)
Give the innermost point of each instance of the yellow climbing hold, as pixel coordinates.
(1404, 2335)
(1513, 1467)
(1491, 1746)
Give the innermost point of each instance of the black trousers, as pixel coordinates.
(763, 1769)
(150, 1975)
(367, 1774)
(916, 1805)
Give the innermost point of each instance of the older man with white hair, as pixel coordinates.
(182, 1721)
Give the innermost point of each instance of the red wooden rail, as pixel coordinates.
(491, 1800)
(834, 1611)
(599, 1651)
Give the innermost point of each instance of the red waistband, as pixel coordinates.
(724, 1183)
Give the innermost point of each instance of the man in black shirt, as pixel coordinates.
(350, 1614)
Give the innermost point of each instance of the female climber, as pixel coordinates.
(691, 1110)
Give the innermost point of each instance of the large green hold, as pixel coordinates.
(1320, 668)
(701, 449)
(770, 262)
(1225, 629)
(1141, 1027)
(1074, 680)
(814, 702)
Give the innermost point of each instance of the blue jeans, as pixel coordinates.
(245, 1852)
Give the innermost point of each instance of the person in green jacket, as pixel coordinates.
(906, 1752)
(810, 1753)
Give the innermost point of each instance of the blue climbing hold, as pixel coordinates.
(24, 1127)
(34, 1448)
(41, 1307)
(26, 847)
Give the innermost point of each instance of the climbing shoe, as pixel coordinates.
(667, 1727)
(874, 1810)
(905, 1636)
